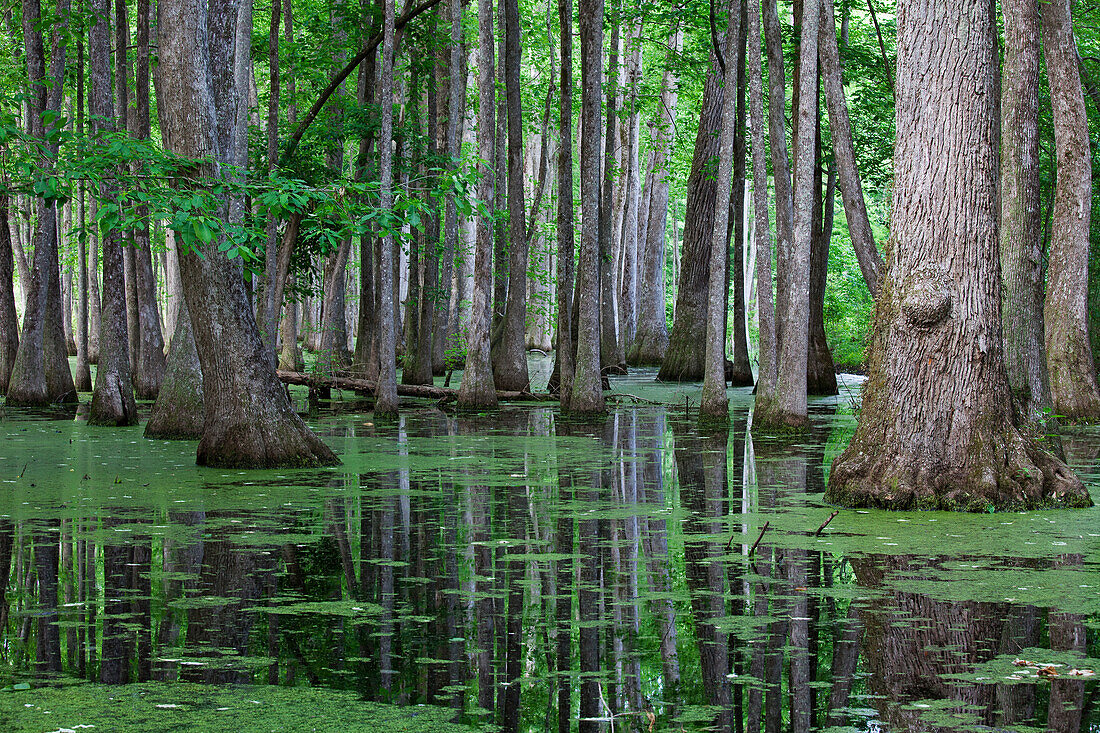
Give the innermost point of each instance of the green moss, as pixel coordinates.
(194, 707)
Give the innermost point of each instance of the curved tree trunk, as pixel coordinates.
(1021, 253)
(477, 389)
(651, 337)
(178, 413)
(249, 421)
(936, 428)
(684, 357)
(1072, 370)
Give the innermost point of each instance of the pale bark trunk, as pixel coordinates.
(936, 428)
(566, 356)
(739, 370)
(628, 309)
(477, 389)
(447, 330)
(269, 314)
(1021, 256)
(386, 395)
(610, 348)
(651, 338)
(713, 403)
(840, 129)
(587, 395)
(1072, 370)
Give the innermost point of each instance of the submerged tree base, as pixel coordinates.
(1010, 474)
(285, 443)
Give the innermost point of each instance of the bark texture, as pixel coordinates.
(477, 389)
(936, 428)
(9, 321)
(1021, 253)
(179, 412)
(1072, 370)
(249, 422)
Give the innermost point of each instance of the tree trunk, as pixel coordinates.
(113, 396)
(510, 357)
(566, 228)
(1021, 254)
(9, 319)
(447, 333)
(150, 365)
(741, 373)
(628, 308)
(713, 404)
(587, 395)
(684, 357)
(477, 389)
(651, 338)
(820, 369)
(179, 412)
(249, 421)
(936, 427)
(840, 129)
(40, 374)
(609, 294)
(1072, 371)
(386, 396)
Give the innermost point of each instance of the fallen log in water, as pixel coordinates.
(448, 394)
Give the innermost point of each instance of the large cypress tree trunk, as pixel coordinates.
(249, 421)
(684, 358)
(113, 396)
(1072, 371)
(587, 396)
(1021, 254)
(510, 360)
(179, 412)
(386, 394)
(477, 389)
(651, 337)
(40, 374)
(936, 429)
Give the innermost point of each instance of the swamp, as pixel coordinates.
(497, 571)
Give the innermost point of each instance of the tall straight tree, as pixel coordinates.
(1072, 370)
(651, 337)
(587, 396)
(40, 374)
(386, 392)
(1020, 238)
(566, 227)
(9, 319)
(510, 361)
(249, 422)
(149, 368)
(936, 429)
(113, 396)
(477, 390)
(713, 403)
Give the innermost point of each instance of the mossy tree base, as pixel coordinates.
(287, 443)
(647, 350)
(1006, 473)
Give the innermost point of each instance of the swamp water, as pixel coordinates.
(504, 570)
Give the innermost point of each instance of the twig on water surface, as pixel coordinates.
(825, 524)
(760, 537)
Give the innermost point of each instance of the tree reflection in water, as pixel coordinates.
(536, 574)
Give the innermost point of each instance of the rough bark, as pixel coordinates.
(477, 389)
(249, 422)
(628, 291)
(40, 374)
(936, 427)
(566, 356)
(1021, 256)
(740, 375)
(820, 369)
(587, 395)
(510, 358)
(651, 337)
(113, 396)
(610, 348)
(150, 365)
(684, 357)
(179, 412)
(1072, 371)
(386, 397)
(446, 335)
(713, 403)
